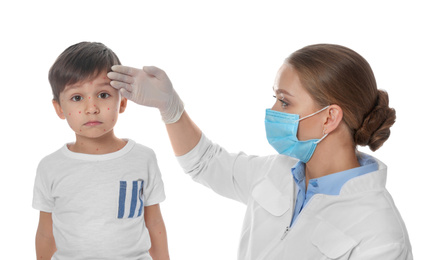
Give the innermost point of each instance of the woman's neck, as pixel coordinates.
(331, 155)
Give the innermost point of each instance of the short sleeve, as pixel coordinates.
(42, 199)
(154, 188)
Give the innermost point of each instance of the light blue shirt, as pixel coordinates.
(330, 184)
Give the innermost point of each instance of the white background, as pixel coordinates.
(222, 57)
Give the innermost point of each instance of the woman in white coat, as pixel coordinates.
(319, 198)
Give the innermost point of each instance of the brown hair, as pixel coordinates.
(334, 74)
(79, 62)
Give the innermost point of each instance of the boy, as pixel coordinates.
(98, 197)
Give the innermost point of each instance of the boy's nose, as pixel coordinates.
(92, 108)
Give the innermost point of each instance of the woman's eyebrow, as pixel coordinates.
(282, 91)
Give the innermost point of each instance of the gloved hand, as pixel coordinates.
(148, 87)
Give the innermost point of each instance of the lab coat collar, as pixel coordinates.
(276, 191)
(375, 180)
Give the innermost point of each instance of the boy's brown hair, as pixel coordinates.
(81, 61)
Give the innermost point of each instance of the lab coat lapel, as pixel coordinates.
(275, 192)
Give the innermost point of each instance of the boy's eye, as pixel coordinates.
(76, 98)
(104, 95)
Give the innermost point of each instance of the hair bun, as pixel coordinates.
(375, 129)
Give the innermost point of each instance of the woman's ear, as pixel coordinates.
(123, 105)
(334, 118)
(59, 110)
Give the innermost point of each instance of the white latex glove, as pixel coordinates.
(149, 87)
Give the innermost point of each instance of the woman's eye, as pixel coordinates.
(283, 103)
(104, 95)
(76, 98)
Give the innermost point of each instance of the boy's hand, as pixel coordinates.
(148, 87)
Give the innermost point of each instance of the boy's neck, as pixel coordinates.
(108, 143)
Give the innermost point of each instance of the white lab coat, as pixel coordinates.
(362, 222)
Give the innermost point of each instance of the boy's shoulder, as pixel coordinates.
(142, 150)
(141, 147)
(54, 157)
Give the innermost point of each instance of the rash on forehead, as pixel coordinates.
(99, 81)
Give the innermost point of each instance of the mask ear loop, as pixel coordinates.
(321, 139)
(319, 111)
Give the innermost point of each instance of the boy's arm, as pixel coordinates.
(157, 231)
(45, 245)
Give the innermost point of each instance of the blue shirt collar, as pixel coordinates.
(331, 184)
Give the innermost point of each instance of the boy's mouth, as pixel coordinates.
(93, 123)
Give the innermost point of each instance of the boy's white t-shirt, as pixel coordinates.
(97, 201)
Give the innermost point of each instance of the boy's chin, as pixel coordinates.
(94, 134)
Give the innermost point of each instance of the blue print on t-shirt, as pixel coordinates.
(130, 199)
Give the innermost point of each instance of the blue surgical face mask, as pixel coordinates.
(281, 129)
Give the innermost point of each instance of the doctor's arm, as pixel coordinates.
(184, 134)
(45, 244)
(392, 251)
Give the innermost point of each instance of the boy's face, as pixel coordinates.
(91, 107)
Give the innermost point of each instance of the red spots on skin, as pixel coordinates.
(69, 113)
(104, 130)
(89, 97)
(108, 108)
(79, 112)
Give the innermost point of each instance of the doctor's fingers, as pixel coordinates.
(125, 93)
(155, 71)
(120, 77)
(121, 85)
(126, 70)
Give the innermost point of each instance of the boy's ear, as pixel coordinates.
(123, 105)
(59, 110)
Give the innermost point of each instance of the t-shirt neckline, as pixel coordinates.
(98, 157)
